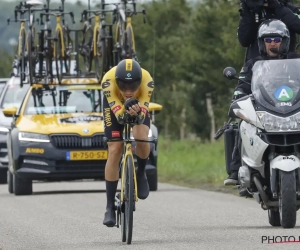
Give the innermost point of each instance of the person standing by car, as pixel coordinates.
(127, 89)
(254, 12)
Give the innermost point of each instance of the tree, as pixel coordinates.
(162, 48)
(5, 63)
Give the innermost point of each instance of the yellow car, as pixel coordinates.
(57, 134)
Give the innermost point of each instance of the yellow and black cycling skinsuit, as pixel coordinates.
(113, 108)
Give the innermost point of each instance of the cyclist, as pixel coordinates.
(127, 89)
(273, 42)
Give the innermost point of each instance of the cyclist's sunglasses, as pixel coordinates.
(275, 39)
(125, 86)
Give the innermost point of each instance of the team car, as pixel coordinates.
(57, 134)
(11, 95)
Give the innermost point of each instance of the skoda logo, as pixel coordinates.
(128, 75)
(85, 130)
(284, 93)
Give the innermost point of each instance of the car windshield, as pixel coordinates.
(64, 100)
(14, 95)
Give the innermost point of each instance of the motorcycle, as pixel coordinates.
(270, 138)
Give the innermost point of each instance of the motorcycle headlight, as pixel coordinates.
(26, 136)
(274, 123)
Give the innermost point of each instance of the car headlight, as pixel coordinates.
(274, 123)
(149, 134)
(26, 136)
(3, 130)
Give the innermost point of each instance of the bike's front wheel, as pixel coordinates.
(100, 58)
(129, 199)
(58, 55)
(128, 50)
(31, 56)
(123, 223)
(85, 49)
(22, 56)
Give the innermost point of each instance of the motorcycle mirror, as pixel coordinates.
(229, 73)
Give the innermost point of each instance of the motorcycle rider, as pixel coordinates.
(273, 43)
(254, 12)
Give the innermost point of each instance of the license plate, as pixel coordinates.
(86, 155)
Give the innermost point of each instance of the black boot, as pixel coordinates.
(232, 179)
(141, 178)
(110, 214)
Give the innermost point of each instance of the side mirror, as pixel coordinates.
(229, 73)
(10, 111)
(154, 108)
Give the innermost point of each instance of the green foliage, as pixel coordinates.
(181, 162)
(186, 50)
(5, 63)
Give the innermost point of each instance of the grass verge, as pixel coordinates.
(193, 164)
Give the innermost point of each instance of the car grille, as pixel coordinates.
(77, 141)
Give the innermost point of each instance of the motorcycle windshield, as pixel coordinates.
(275, 84)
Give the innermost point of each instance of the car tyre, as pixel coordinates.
(3, 176)
(22, 186)
(10, 182)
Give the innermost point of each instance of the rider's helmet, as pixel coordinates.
(273, 28)
(128, 75)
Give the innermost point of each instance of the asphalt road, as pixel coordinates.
(69, 215)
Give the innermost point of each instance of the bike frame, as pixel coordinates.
(95, 30)
(129, 26)
(59, 28)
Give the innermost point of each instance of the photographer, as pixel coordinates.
(254, 12)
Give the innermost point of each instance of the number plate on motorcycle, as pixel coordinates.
(86, 155)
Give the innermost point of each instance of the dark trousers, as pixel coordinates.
(236, 154)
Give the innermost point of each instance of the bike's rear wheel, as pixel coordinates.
(40, 52)
(118, 45)
(85, 49)
(31, 56)
(22, 54)
(129, 199)
(127, 44)
(68, 50)
(59, 62)
(49, 54)
(109, 49)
